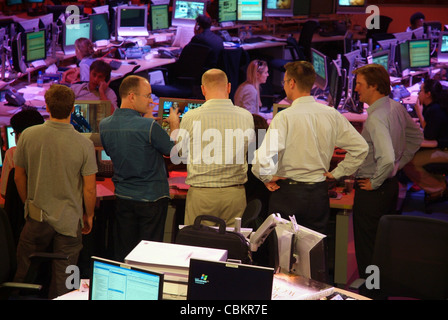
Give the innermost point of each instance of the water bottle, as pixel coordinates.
(40, 79)
(396, 93)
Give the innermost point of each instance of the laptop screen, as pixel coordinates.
(112, 280)
(218, 280)
(444, 43)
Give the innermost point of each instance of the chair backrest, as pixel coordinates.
(412, 256)
(192, 62)
(234, 63)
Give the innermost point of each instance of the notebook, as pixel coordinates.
(113, 280)
(442, 53)
(219, 280)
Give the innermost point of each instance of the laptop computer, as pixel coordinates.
(113, 280)
(442, 52)
(219, 280)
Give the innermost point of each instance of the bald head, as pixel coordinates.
(215, 84)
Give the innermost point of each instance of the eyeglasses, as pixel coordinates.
(147, 96)
(285, 81)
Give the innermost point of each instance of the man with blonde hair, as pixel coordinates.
(215, 137)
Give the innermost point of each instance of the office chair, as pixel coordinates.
(299, 50)
(8, 265)
(411, 254)
(183, 78)
(233, 62)
(251, 214)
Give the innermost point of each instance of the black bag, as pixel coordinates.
(200, 235)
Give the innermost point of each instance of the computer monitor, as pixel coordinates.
(275, 8)
(320, 64)
(100, 26)
(186, 11)
(380, 57)
(419, 53)
(250, 10)
(442, 49)
(402, 59)
(351, 6)
(28, 25)
(10, 137)
(72, 32)
(183, 105)
(336, 84)
(227, 10)
(132, 21)
(403, 36)
(89, 113)
(159, 17)
(35, 46)
(113, 280)
(60, 12)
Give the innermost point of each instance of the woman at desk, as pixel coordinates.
(247, 95)
(85, 53)
(432, 111)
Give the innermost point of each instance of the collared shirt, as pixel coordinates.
(136, 146)
(300, 142)
(56, 157)
(214, 139)
(246, 96)
(82, 92)
(393, 138)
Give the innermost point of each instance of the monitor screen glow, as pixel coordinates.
(250, 10)
(159, 17)
(227, 10)
(419, 53)
(320, 67)
(100, 26)
(351, 6)
(186, 12)
(35, 46)
(275, 8)
(76, 31)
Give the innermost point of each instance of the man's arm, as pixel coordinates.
(89, 195)
(20, 179)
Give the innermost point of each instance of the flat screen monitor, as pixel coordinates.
(88, 114)
(10, 137)
(159, 17)
(442, 50)
(336, 84)
(250, 10)
(227, 10)
(72, 32)
(113, 280)
(380, 57)
(100, 26)
(101, 9)
(13, 2)
(132, 21)
(219, 280)
(183, 105)
(402, 58)
(320, 65)
(276, 8)
(351, 6)
(28, 25)
(35, 46)
(403, 36)
(186, 11)
(419, 53)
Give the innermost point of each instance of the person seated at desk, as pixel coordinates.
(97, 88)
(247, 95)
(434, 122)
(203, 35)
(19, 122)
(85, 53)
(417, 20)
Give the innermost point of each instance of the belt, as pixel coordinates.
(290, 181)
(234, 185)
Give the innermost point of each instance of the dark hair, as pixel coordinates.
(203, 21)
(101, 67)
(416, 16)
(60, 101)
(303, 74)
(375, 75)
(26, 118)
(435, 88)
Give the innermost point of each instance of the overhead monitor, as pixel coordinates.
(72, 32)
(276, 8)
(159, 17)
(35, 46)
(13, 2)
(419, 53)
(186, 11)
(320, 65)
(113, 280)
(381, 58)
(351, 6)
(132, 21)
(250, 10)
(227, 10)
(100, 26)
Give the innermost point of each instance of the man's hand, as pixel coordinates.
(88, 223)
(272, 185)
(365, 184)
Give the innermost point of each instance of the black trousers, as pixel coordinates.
(368, 208)
(309, 203)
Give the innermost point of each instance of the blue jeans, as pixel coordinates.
(136, 221)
